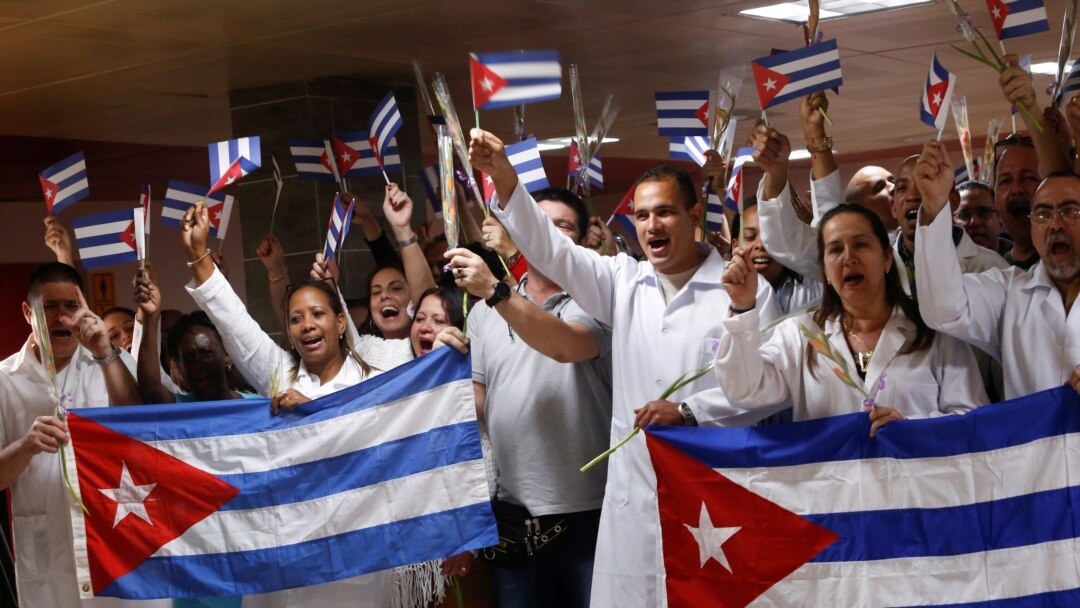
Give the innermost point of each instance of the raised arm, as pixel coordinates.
(787, 239)
(589, 278)
(565, 342)
(967, 306)
(272, 255)
(148, 367)
(253, 352)
(58, 239)
(1017, 86)
(398, 209)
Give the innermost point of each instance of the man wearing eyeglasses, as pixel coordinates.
(1025, 319)
(978, 217)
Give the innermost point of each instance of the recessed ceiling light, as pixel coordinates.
(798, 11)
(1047, 67)
(558, 143)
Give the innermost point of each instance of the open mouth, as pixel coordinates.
(911, 214)
(426, 345)
(60, 334)
(853, 279)
(389, 312)
(311, 344)
(658, 244)
(760, 262)
(1020, 209)
(1060, 249)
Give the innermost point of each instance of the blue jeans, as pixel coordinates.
(560, 575)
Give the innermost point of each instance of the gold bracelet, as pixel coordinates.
(796, 200)
(201, 258)
(824, 144)
(279, 278)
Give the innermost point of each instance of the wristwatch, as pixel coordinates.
(688, 417)
(502, 292)
(109, 358)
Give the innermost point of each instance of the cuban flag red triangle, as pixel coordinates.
(49, 190)
(128, 235)
(998, 12)
(344, 154)
(485, 82)
(769, 83)
(703, 113)
(935, 94)
(131, 513)
(724, 545)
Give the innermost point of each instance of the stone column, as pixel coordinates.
(314, 109)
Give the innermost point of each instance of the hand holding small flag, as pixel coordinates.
(934, 178)
(488, 154)
(194, 230)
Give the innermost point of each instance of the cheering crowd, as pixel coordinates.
(910, 281)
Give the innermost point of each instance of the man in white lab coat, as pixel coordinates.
(1025, 319)
(665, 314)
(91, 371)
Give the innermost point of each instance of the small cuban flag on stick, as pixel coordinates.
(1071, 87)
(383, 125)
(682, 113)
(139, 215)
(525, 157)
(107, 238)
(937, 96)
(785, 76)
(230, 160)
(1016, 18)
(595, 172)
(179, 196)
(340, 221)
(64, 183)
(514, 78)
(144, 240)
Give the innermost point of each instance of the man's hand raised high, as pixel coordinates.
(488, 154)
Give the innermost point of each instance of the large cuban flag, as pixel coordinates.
(785, 76)
(221, 498)
(232, 159)
(972, 510)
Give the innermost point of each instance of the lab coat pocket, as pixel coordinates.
(913, 399)
(33, 546)
(709, 346)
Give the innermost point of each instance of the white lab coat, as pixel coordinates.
(652, 345)
(257, 357)
(941, 379)
(1016, 316)
(44, 556)
(794, 244)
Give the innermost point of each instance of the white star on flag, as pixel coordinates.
(217, 217)
(49, 193)
(711, 539)
(129, 497)
(345, 156)
(770, 84)
(997, 13)
(486, 84)
(230, 179)
(937, 99)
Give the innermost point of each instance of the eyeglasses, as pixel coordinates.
(964, 216)
(1044, 216)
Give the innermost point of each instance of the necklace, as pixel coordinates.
(862, 357)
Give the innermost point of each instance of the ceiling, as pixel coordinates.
(159, 71)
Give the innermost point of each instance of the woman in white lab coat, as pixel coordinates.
(911, 371)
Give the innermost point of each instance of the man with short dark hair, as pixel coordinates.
(542, 373)
(91, 371)
(978, 217)
(666, 317)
